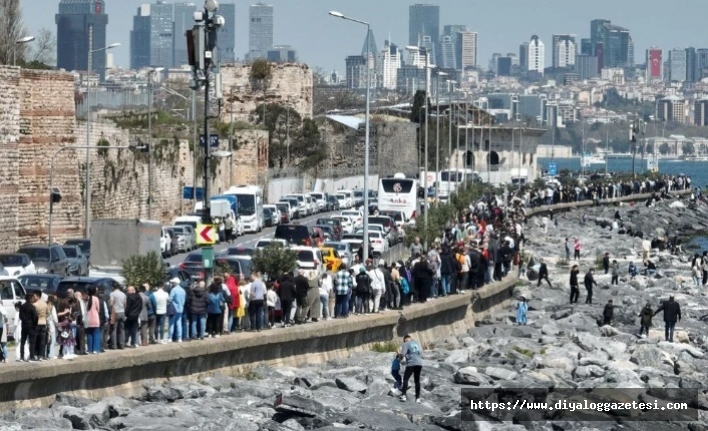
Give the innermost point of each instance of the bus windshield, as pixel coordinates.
(246, 204)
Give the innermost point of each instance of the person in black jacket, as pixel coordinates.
(423, 279)
(30, 322)
(507, 255)
(198, 310)
(472, 275)
(363, 292)
(607, 313)
(672, 314)
(133, 307)
(606, 262)
(574, 289)
(287, 293)
(302, 286)
(589, 282)
(543, 274)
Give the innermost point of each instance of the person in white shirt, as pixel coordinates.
(161, 299)
(326, 286)
(271, 300)
(378, 284)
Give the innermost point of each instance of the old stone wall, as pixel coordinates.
(291, 85)
(395, 148)
(250, 164)
(9, 154)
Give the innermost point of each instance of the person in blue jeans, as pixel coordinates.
(198, 308)
(672, 314)
(255, 305)
(178, 297)
(215, 309)
(396, 371)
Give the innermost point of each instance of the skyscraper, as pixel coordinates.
(468, 49)
(564, 50)
(655, 65)
(617, 45)
(76, 21)
(389, 62)
(282, 54)
(455, 32)
(183, 21)
(691, 65)
(260, 31)
(536, 55)
(423, 20)
(586, 46)
(586, 66)
(152, 39)
(140, 39)
(701, 63)
(446, 48)
(373, 50)
(356, 71)
(677, 65)
(227, 33)
(524, 57)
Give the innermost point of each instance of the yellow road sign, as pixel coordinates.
(206, 234)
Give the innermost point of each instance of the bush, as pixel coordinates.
(274, 260)
(387, 347)
(141, 269)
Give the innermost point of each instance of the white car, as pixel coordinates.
(263, 243)
(165, 242)
(346, 222)
(320, 199)
(377, 240)
(11, 291)
(17, 264)
(310, 259)
(312, 204)
(303, 208)
(356, 217)
(277, 215)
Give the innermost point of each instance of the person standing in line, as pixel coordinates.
(615, 272)
(215, 302)
(574, 288)
(78, 324)
(363, 290)
(232, 285)
(3, 335)
(672, 315)
(133, 308)
(325, 291)
(52, 323)
(576, 247)
(198, 307)
(161, 299)
(411, 351)
(178, 298)
(255, 306)
(302, 286)
(287, 297)
(93, 323)
(228, 230)
(272, 303)
(589, 282)
(378, 284)
(144, 314)
(118, 300)
(342, 289)
(40, 347)
(152, 314)
(29, 319)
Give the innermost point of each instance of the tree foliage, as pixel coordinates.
(12, 29)
(261, 74)
(41, 53)
(139, 269)
(327, 98)
(281, 122)
(274, 260)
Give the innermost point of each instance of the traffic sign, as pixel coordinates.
(208, 257)
(552, 169)
(206, 234)
(213, 140)
(188, 193)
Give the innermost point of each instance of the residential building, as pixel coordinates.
(260, 30)
(389, 62)
(533, 107)
(586, 66)
(183, 21)
(140, 39)
(677, 65)
(423, 20)
(536, 55)
(564, 50)
(446, 48)
(671, 108)
(700, 112)
(282, 54)
(79, 21)
(691, 65)
(227, 33)
(356, 71)
(655, 70)
(468, 50)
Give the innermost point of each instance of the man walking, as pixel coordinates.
(411, 351)
(672, 314)
(574, 289)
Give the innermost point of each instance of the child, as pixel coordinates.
(521, 308)
(645, 315)
(271, 299)
(607, 313)
(632, 270)
(396, 371)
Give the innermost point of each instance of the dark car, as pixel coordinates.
(45, 283)
(328, 231)
(295, 234)
(84, 244)
(332, 203)
(47, 259)
(104, 285)
(284, 210)
(78, 263)
(177, 272)
(237, 251)
(193, 265)
(294, 204)
(334, 223)
(238, 266)
(268, 217)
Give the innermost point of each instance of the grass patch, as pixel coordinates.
(544, 350)
(525, 352)
(387, 347)
(247, 374)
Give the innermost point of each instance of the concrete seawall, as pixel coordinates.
(123, 372)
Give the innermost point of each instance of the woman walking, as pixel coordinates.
(411, 352)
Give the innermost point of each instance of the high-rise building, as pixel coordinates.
(677, 65)
(671, 108)
(140, 39)
(536, 55)
(183, 21)
(586, 66)
(504, 66)
(494, 62)
(586, 46)
(430, 46)
(423, 20)
(468, 49)
(227, 33)
(455, 32)
(701, 63)
(524, 56)
(617, 44)
(260, 30)
(691, 65)
(282, 54)
(411, 79)
(370, 45)
(388, 63)
(655, 63)
(564, 50)
(77, 22)
(700, 112)
(356, 71)
(446, 48)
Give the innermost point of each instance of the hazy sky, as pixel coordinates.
(325, 41)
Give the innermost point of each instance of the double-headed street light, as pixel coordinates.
(366, 144)
(26, 39)
(87, 201)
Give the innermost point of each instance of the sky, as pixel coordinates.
(324, 41)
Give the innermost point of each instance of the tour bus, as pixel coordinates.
(250, 206)
(399, 194)
(453, 178)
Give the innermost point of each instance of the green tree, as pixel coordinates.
(261, 74)
(688, 148)
(274, 260)
(139, 269)
(281, 122)
(309, 147)
(664, 148)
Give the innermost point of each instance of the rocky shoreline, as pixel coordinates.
(563, 346)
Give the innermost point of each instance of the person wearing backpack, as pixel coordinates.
(363, 286)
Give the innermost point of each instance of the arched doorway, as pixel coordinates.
(469, 160)
(493, 160)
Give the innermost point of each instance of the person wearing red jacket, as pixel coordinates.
(232, 285)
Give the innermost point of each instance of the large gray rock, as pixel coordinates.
(350, 384)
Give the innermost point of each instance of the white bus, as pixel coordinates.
(250, 206)
(399, 194)
(453, 178)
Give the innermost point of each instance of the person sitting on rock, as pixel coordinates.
(645, 319)
(632, 269)
(649, 268)
(607, 313)
(522, 307)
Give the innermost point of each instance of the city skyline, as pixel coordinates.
(317, 46)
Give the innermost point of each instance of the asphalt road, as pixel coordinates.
(250, 240)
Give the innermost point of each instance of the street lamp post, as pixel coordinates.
(467, 136)
(87, 186)
(367, 126)
(149, 142)
(51, 177)
(437, 137)
(26, 39)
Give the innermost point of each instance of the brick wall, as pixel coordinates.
(9, 168)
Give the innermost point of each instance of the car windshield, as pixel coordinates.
(38, 254)
(83, 244)
(70, 252)
(195, 257)
(38, 283)
(179, 230)
(193, 224)
(282, 207)
(11, 260)
(305, 256)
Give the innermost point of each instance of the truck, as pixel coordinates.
(115, 240)
(219, 208)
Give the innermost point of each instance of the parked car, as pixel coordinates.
(294, 206)
(237, 251)
(45, 283)
(331, 258)
(174, 242)
(47, 259)
(263, 243)
(310, 259)
(295, 234)
(285, 213)
(193, 265)
(343, 250)
(336, 225)
(268, 217)
(332, 203)
(320, 200)
(302, 205)
(17, 264)
(177, 272)
(78, 263)
(103, 285)
(239, 265)
(84, 244)
(377, 240)
(345, 222)
(327, 231)
(186, 238)
(277, 216)
(11, 291)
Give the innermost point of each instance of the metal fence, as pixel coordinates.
(396, 253)
(114, 100)
(326, 173)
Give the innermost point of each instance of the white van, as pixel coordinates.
(349, 198)
(11, 291)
